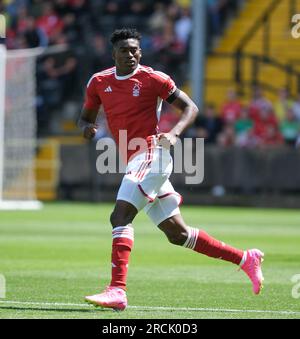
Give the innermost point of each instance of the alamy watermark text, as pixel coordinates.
(296, 28)
(188, 156)
(296, 287)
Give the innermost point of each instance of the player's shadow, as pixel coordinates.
(80, 310)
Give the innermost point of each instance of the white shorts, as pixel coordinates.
(146, 184)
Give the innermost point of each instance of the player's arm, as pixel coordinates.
(189, 109)
(90, 110)
(87, 121)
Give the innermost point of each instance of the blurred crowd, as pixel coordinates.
(33, 23)
(84, 27)
(257, 123)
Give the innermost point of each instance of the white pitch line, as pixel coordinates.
(153, 308)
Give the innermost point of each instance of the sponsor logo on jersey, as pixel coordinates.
(108, 89)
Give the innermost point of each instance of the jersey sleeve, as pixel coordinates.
(92, 100)
(163, 84)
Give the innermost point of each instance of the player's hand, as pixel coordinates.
(90, 132)
(167, 140)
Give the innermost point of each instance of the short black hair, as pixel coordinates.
(124, 34)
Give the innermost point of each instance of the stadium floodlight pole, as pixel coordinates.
(198, 51)
(2, 113)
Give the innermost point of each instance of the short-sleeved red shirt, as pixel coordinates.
(132, 103)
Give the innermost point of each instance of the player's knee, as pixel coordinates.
(116, 219)
(121, 219)
(177, 237)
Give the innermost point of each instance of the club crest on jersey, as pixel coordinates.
(136, 90)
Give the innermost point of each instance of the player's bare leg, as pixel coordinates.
(123, 213)
(178, 233)
(115, 296)
(175, 229)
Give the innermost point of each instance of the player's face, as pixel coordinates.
(127, 55)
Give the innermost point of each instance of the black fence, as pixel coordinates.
(232, 176)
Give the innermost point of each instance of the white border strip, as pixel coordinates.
(2, 113)
(37, 51)
(154, 308)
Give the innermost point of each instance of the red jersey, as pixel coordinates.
(132, 103)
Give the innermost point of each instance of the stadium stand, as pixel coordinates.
(84, 26)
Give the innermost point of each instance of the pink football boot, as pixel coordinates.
(252, 267)
(112, 297)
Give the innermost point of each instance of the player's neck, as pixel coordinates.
(125, 73)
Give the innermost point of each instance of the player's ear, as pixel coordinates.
(114, 51)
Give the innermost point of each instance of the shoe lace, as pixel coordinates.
(110, 290)
(253, 267)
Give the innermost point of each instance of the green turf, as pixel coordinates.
(61, 253)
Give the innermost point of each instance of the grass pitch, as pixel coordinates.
(54, 257)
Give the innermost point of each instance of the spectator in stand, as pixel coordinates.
(173, 11)
(112, 13)
(34, 37)
(80, 8)
(290, 128)
(55, 77)
(169, 52)
(231, 109)
(208, 125)
(272, 137)
(258, 104)
(49, 91)
(74, 15)
(183, 26)
(20, 23)
(62, 7)
(157, 18)
(283, 104)
(215, 9)
(135, 14)
(36, 8)
(266, 130)
(243, 129)
(25, 32)
(113, 7)
(71, 28)
(227, 137)
(12, 8)
(67, 69)
(296, 108)
(138, 8)
(99, 56)
(81, 20)
(50, 22)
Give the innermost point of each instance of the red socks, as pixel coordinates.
(121, 248)
(197, 240)
(201, 242)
